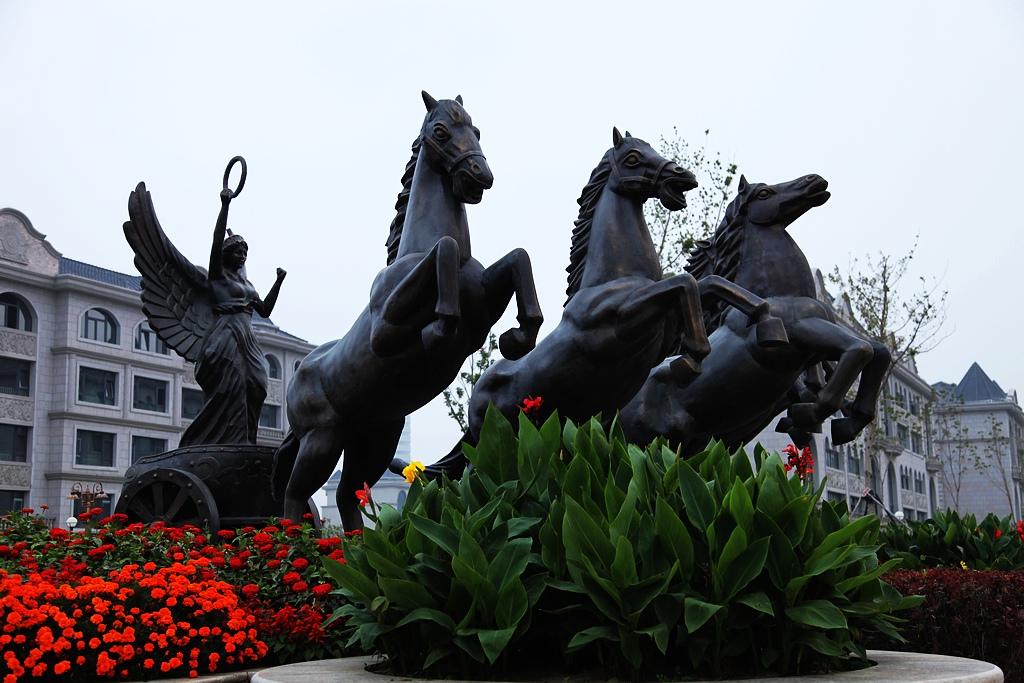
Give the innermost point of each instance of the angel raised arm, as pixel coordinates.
(206, 318)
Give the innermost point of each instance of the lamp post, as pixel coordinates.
(88, 494)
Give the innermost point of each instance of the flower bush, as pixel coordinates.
(949, 540)
(266, 583)
(570, 548)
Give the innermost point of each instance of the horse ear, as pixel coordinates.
(616, 136)
(458, 98)
(429, 101)
(628, 134)
(744, 185)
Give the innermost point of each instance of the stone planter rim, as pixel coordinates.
(893, 667)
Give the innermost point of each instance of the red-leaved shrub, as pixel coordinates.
(966, 613)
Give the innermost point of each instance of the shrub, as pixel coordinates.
(975, 614)
(949, 540)
(274, 574)
(571, 547)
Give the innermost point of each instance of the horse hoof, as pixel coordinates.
(684, 370)
(771, 332)
(845, 430)
(784, 425)
(397, 465)
(515, 343)
(803, 415)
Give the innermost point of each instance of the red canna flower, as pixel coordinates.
(802, 461)
(364, 495)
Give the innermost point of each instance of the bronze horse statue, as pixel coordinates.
(430, 308)
(745, 385)
(621, 317)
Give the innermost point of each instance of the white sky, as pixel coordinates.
(912, 112)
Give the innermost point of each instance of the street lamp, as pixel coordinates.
(71, 521)
(87, 494)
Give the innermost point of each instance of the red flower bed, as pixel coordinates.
(966, 613)
(131, 602)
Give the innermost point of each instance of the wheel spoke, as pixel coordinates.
(175, 507)
(139, 508)
(158, 497)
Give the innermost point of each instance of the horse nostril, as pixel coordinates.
(810, 178)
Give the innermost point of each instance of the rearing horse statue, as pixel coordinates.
(429, 309)
(621, 317)
(744, 386)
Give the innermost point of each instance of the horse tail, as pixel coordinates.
(454, 464)
(284, 462)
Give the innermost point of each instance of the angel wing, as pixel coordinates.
(176, 294)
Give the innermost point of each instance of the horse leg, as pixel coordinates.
(367, 455)
(648, 306)
(437, 271)
(513, 274)
(318, 453)
(825, 338)
(770, 330)
(861, 411)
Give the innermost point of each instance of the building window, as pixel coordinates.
(105, 504)
(149, 394)
(100, 326)
(146, 340)
(270, 416)
(916, 442)
(192, 401)
(147, 445)
(904, 436)
(12, 501)
(918, 482)
(14, 376)
(273, 367)
(13, 443)
(904, 479)
(95, 449)
(15, 313)
(852, 459)
(97, 386)
(833, 457)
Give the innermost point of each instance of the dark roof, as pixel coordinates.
(976, 387)
(91, 272)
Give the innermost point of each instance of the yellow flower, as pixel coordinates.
(412, 470)
(963, 565)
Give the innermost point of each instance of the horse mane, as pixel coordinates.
(581, 233)
(721, 254)
(395, 237)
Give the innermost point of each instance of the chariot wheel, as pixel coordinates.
(173, 497)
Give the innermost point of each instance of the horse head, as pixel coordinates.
(452, 144)
(637, 171)
(779, 205)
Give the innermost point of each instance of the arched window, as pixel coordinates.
(146, 340)
(273, 367)
(932, 498)
(100, 326)
(15, 313)
(890, 482)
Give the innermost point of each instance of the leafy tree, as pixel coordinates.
(675, 232)
(997, 458)
(456, 396)
(953, 443)
(908, 319)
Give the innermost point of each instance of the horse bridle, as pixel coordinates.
(642, 181)
(449, 160)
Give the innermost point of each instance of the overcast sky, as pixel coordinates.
(911, 111)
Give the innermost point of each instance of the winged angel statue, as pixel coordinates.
(206, 317)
